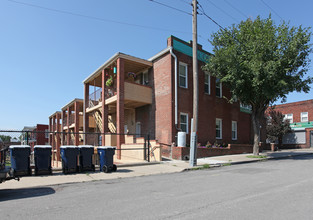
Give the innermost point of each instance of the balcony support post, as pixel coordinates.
(58, 141)
(120, 106)
(86, 115)
(68, 126)
(104, 109)
(76, 121)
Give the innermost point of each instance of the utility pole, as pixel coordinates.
(193, 138)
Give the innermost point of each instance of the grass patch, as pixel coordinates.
(257, 156)
(226, 164)
(204, 166)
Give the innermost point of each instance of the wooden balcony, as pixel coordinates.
(135, 95)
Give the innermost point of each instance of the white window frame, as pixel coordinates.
(234, 129)
(221, 127)
(186, 74)
(208, 83)
(307, 116)
(289, 117)
(220, 87)
(187, 124)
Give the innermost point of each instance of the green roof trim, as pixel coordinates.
(308, 124)
(183, 48)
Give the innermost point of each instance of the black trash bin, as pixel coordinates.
(106, 159)
(69, 155)
(42, 155)
(20, 160)
(85, 158)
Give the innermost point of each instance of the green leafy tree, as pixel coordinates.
(260, 63)
(5, 138)
(276, 126)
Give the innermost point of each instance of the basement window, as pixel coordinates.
(184, 122)
(218, 128)
(234, 130)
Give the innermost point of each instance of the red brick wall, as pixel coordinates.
(163, 99)
(182, 153)
(41, 139)
(296, 108)
(210, 106)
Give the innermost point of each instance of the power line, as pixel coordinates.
(271, 9)
(203, 13)
(222, 11)
(168, 6)
(95, 18)
(236, 9)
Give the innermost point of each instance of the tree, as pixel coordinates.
(5, 138)
(276, 126)
(260, 63)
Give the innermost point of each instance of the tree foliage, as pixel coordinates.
(5, 138)
(276, 126)
(261, 63)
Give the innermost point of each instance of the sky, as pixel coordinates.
(48, 47)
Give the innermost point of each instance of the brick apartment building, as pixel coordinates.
(72, 122)
(35, 135)
(300, 115)
(131, 95)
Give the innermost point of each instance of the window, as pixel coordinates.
(183, 75)
(184, 122)
(46, 133)
(218, 128)
(304, 117)
(289, 117)
(218, 87)
(234, 130)
(207, 88)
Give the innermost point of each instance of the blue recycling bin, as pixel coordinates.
(42, 155)
(69, 155)
(85, 158)
(106, 159)
(20, 160)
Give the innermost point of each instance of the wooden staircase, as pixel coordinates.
(97, 114)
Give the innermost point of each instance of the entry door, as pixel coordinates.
(311, 139)
(138, 129)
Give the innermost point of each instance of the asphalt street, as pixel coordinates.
(276, 189)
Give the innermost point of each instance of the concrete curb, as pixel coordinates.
(249, 161)
(58, 169)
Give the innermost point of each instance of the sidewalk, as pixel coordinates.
(144, 169)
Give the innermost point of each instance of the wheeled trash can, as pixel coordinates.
(106, 159)
(85, 158)
(20, 160)
(69, 155)
(42, 155)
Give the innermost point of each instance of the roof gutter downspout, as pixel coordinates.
(176, 111)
